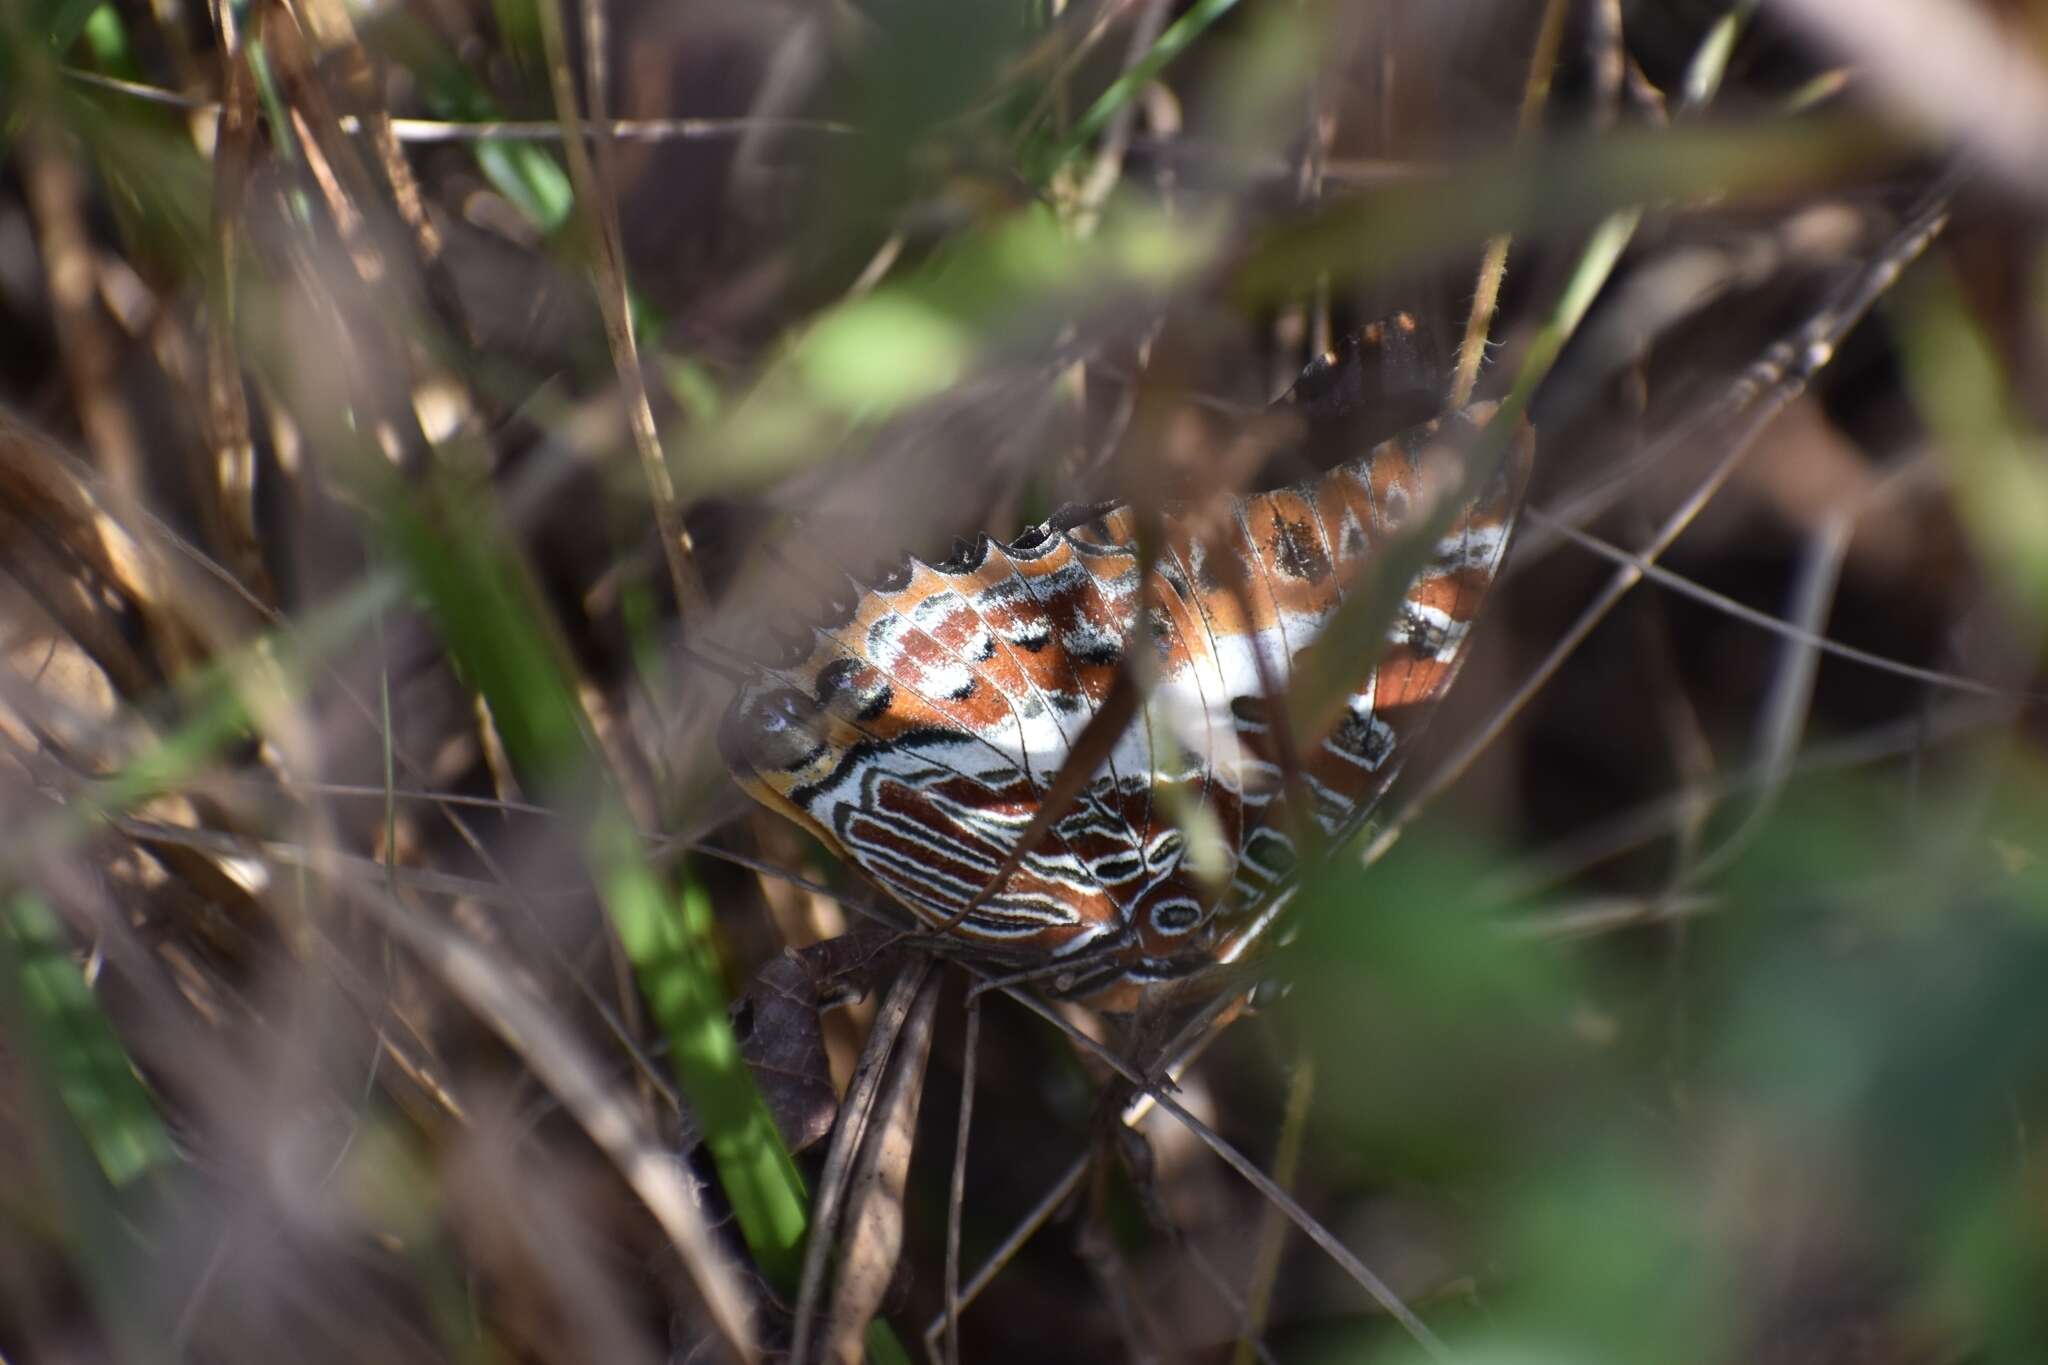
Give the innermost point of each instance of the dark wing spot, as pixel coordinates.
(1094, 647)
(835, 678)
(1357, 735)
(1118, 868)
(1175, 581)
(1423, 635)
(1397, 505)
(876, 702)
(774, 731)
(1031, 635)
(1160, 627)
(1298, 552)
(1269, 854)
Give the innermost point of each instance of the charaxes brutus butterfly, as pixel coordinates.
(918, 735)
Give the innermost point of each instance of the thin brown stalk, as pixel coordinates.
(847, 1137)
(1572, 858)
(1179, 1054)
(956, 1191)
(1493, 266)
(433, 130)
(1301, 1088)
(342, 179)
(1752, 403)
(593, 179)
(1026, 1228)
(1108, 166)
(1804, 636)
(1360, 1273)
(232, 489)
(488, 985)
(872, 1241)
(354, 74)
(56, 194)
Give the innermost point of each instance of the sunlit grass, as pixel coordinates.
(1834, 1044)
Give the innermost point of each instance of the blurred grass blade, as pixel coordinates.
(477, 593)
(219, 696)
(872, 356)
(1177, 38)
(1552, 186)
(64, 21)
(91, 1073)
(527, 175)
(1993, 461)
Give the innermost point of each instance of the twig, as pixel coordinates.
(487, 984)
(1494, 265)
(593, 178)
(425, 130)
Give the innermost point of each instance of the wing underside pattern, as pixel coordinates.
(919, 735)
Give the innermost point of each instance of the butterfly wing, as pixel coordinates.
(918, 735)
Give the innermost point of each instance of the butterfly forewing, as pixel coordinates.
(919, 734)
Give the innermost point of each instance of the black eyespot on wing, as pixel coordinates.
(836, 688)
(1248, 715)
(1395, 510)
(774, 730)
(1270, 855)
(835, 678)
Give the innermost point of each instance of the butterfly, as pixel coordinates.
(919, 732)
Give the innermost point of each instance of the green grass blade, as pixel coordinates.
(1178, 37)
(89, 1070)
(476, 590)
(529, 176)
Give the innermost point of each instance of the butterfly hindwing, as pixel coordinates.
(920, 734)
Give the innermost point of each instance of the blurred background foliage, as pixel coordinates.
(402, 400)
